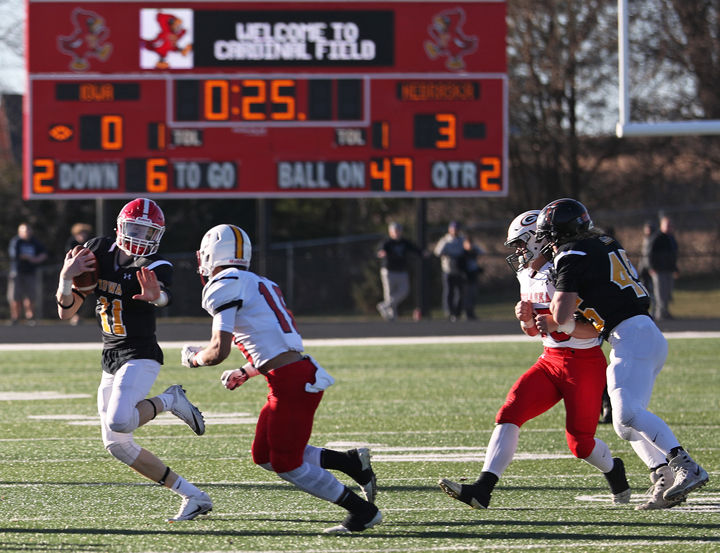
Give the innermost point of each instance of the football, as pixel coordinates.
(87, 281)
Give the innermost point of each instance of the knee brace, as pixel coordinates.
(125, 451)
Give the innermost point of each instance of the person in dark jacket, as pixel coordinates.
(394, 273)
(26, 254)
(663, 267)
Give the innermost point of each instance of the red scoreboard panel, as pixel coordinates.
(265, 99)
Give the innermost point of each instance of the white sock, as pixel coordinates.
(312, 455)
(600, 457)
(501, 448)
(184, 488)
(315, 481)
(167, 401)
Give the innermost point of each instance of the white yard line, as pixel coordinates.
(379, 341)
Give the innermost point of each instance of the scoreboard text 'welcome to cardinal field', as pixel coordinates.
(265, 99)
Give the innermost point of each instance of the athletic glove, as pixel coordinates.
(188, 354)
(234, 378)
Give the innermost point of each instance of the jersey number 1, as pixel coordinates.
(284, 317)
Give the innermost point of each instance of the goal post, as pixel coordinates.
(625, 126)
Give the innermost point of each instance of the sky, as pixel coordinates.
(12, 64)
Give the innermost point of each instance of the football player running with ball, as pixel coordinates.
(571, 368)
(132, 283)
(595, 276)
(249, 310)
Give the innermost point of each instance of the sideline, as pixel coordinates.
(379, 341)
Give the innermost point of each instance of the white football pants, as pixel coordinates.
(638, 353)
(117, 397)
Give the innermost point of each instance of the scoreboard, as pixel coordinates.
(265, 99)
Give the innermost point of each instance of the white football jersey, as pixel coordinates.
(539, 289)
(263, 326)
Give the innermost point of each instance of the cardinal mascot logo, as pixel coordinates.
(166, 39)
(88, 39)
(448, 39)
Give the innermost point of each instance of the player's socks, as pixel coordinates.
(167, 400)
(618, 482)
(354, 503)
(185, 488)
(342, 461)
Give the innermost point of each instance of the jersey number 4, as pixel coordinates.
(624, 274)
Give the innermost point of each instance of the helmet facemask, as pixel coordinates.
(523, 237)
(140, 227)
(138, 238)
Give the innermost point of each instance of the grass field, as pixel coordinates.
(426, 411)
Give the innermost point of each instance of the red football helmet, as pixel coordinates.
(140, 226)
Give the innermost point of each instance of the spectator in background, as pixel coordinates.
(26, 254)
(663, 267)
(394, 273)
(472, 270)
(644, 263)
(451, 252)
(79, 234)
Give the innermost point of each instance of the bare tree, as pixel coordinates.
(561, 65)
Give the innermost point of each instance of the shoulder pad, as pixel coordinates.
(224, 290)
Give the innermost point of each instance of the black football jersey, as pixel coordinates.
(127, 325)
(599, 271)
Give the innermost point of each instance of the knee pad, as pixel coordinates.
(623, 422)
(623, 431)
(125, 451)
(125, 426)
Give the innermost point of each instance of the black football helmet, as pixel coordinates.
(563, 220)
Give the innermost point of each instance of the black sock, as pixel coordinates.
(353, 502)
(616, 477)
(487, 480)
(340, 460)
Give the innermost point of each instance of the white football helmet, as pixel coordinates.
(223, 245)
(522, 235)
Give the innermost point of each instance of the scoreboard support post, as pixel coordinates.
(422, 275)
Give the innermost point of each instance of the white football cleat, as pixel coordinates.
(193, 506)
(661, 480)
(186, 411)
(622, 498)
(689, 476)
